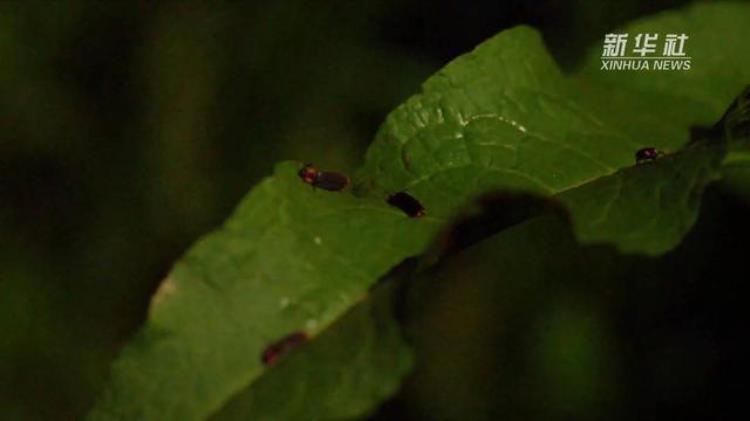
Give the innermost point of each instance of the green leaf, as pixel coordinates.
(533, 130)
(513, 126)
(647, 208)
(359, 360)
(291, 259)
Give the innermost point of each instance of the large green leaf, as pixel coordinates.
(292, 259)
(500, 117)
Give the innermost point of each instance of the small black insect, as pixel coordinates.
(647, 154)
(326, 180)
(278, 349)
(407, 203)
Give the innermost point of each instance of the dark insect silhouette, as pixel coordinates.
(647, 154)
(407, 203)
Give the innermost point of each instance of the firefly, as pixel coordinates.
(280, 348)
(407, 203)
(326, 180)
(647, 154)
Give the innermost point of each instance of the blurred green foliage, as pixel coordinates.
(130, 129)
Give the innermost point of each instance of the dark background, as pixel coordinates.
(128, 130)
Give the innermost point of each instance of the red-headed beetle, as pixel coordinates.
(326, 180)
